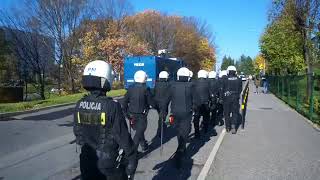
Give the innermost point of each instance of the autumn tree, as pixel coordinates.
(260, 64)
(110, 43)
(186, 38)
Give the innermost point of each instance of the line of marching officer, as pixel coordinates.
(107, 149)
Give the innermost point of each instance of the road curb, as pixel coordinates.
(10, 114)
(206, 168)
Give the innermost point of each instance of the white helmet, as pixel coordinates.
(183, 72)
(191, 74)
(212, 74)
(98, 75)
(164, 75)
(203, 74)
(231, 68)
(223, 73)
(140, 76)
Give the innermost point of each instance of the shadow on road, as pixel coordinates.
(155, 142)
(50, 116)
(168, 170)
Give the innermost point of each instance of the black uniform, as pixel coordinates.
(137, 101)
(220, 100)
(161, 96)
(201, 106)
(181, 97)
(214, 97)
(232, 87)
(101, 130)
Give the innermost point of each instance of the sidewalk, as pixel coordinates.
(277, 144)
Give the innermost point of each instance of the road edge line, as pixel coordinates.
(204, 172)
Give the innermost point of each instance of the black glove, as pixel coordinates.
(131, 167)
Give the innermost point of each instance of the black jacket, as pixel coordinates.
(137, 99)
(99, 122)
(181, 97)
(201, 91)
(161, 94)
(232, 87)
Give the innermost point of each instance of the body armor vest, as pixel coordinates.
(138, 101)
(92, 123)
(181, 97)
(201, 87)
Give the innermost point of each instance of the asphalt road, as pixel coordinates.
(37, 145)
(41, 145)
(277, 144)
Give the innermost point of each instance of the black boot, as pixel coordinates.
(196, 130)
(144, 146)
(214, 133)
(233, 129)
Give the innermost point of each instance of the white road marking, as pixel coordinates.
(204, 172)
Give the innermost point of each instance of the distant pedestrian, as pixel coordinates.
(265, 85)
(257, 84)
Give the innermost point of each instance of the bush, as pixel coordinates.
(316, 103)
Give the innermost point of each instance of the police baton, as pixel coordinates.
(161, 134)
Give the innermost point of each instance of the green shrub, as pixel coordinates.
(316, 104)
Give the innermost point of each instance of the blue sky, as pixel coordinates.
(236, 24)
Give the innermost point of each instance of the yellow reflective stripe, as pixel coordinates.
(103, 118)
(242, 106)
(78, 114)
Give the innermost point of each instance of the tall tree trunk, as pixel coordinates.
(42, 85)
(306, 56)
(59, 76)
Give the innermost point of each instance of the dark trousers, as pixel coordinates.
(162, 117)
(88, 164)
(116, 174)
(202, 110)
(213, 116)
(140, 126)
(231, 111)
(219, 116)
(183, 127)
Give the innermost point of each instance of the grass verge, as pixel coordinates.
(56, 100)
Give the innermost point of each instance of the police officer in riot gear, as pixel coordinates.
(101, 130)
(232, 87)
(201, 106)
(137, 102)
(222, 76)
(214, 97)
(161, 99)
(181, 97)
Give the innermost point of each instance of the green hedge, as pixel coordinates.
(293, 91)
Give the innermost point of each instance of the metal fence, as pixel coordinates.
(294, 91)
